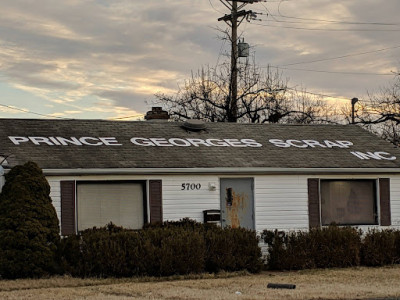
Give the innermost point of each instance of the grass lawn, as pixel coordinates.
(353, 283)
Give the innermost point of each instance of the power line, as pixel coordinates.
(333, 72)
(268, 12)
(342, 56)
(128, 117)
(332, 21)
(214, 7)
(317, 94)
(31, 112)
(326, 29)
(56, 117)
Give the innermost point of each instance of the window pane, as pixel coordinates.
(102, 203)
(350, 202)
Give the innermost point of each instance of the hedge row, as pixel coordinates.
(331, 247)
(168, 249)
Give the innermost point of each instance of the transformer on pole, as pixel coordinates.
(234, 19)
(243, 49)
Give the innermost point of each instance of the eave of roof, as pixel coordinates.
(222, 171)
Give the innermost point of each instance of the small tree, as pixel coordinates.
(29, 229)
(380, 113)
(263, 97)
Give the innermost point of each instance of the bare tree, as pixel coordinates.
(380, 113)
(308, 108)
(263, 97)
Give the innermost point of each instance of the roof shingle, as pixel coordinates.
(244, 151)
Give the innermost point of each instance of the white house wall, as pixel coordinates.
(55, 194)
(395, 200)
(281, 201)
(2, 181)
(182, 202)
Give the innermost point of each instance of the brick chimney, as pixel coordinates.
(157, 113)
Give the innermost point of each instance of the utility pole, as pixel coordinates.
(353, 103)
(234, 19)
(234, 57)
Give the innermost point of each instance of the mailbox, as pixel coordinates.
(212, 216)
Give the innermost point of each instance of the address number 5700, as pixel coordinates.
(190, 186)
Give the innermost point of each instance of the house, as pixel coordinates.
(258, 176)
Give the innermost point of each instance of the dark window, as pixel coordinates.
(348, 202)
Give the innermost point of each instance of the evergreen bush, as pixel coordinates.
(335, 247)
(288, 250)
(232, 249)
(166, 249)
(29, 229)
(381, 247)
(319, 248)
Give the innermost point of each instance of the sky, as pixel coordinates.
(106, 59)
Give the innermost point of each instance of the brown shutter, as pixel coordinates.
(384, 201)
(155, 199)
(67, 207)
(313, 203)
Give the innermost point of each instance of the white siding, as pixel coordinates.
(55, 194)
(395, 200)
(2, 180)
(281, 202)
(178, 203)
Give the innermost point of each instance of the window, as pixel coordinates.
(121, 209)
(348, 202)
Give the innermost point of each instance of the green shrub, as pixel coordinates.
(335, 247)
(319, 248)
(227, 249)
(154, 252)
(232, 249)
(381, 247)
(181, 252)
(29, 231)
(109, 251)
(288, 250)
(166, 249)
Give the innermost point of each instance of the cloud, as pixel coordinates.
(77, 55)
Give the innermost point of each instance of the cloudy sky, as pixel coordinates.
(106, 59)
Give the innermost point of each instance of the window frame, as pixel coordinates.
(384, 210)
(376, 200)
(143, 184)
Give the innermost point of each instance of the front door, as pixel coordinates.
(237, 202)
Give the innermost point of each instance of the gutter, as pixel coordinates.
(230, 171)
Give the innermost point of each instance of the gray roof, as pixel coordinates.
(249, 145)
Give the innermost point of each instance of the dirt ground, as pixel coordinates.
(355, 283)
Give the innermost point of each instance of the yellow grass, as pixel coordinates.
(355, 283)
